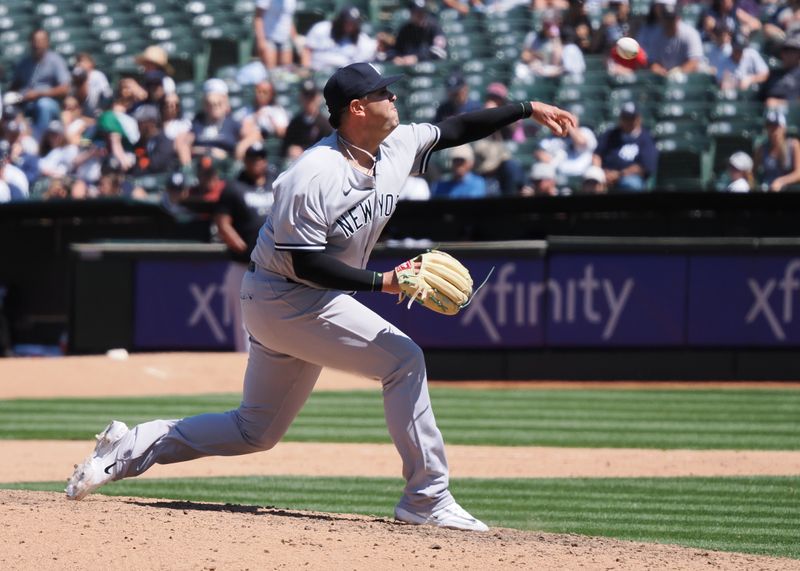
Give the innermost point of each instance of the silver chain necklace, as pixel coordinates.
(366, 152)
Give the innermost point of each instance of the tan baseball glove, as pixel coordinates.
(442, 283)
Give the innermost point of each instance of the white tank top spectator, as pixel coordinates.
(173, 121)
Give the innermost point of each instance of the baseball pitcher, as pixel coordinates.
(330, 207)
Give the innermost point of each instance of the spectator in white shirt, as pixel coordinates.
(338, 43)
(267, 117)
(570, 155)
(274, 30)
(740, 172)
(734, 63)
(13, 183)
(58, 153)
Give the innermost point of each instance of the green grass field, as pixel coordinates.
(724, 419)
(754, 515)
(757, 515)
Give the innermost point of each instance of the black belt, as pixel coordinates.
(252, 267)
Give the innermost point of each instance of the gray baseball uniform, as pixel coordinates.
(296, 327)
(325, 221)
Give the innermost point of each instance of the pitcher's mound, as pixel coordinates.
(45, 531)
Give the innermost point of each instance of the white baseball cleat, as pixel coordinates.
(452, 517)
(98, 468)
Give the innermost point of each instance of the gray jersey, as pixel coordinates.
(324, 204)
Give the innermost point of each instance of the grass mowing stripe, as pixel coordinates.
(732, 419)
(752, 514)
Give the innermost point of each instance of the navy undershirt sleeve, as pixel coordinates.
(468, 127)
(325, 270)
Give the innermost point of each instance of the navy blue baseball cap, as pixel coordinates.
(354, 82)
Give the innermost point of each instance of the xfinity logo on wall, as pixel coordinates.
(587, 299)
(783, 289)
(203, 313)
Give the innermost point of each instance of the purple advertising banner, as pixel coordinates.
(507, 312)
(744, 300)
(615, 300)
(566, 300)
(181, 304)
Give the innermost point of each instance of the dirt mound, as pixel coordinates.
(45, 531)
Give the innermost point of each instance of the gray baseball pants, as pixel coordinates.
(296, 330)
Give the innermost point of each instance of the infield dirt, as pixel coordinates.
(44, 531)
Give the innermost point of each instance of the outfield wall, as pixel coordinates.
(665, 308)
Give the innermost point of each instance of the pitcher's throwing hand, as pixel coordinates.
(554, 118)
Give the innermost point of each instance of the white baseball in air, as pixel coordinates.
(627, 48)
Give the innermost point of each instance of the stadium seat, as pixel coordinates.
(690, 110)
(686, 168)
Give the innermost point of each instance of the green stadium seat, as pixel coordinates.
(690, 110)
(577, 93)
(681, 169)
(733, 109)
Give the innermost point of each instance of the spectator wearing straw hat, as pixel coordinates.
(154, 59)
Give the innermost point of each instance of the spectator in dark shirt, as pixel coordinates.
(421, 38)
(785, 86)
(155, 153)
(627, 152)
(239, 214)
(42, 78)
(308, 126)
(740, 16)
(458, 100)
(617, 23)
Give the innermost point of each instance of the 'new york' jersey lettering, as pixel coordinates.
(361, 215)
(324, 204)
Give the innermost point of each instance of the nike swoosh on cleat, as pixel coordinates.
(107, 468)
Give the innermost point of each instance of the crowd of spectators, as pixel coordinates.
(67, 132)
